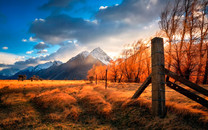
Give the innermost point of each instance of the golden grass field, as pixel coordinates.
(80, 105)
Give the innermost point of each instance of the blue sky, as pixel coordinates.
(45, 30)
(19, 15)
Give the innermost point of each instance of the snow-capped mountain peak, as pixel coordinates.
(99, 54)
(42, 66)
(46, 65)
(84, 54)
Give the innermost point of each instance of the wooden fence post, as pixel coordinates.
(158, 77)
(106, 78)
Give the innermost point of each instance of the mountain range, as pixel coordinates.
(75, 68)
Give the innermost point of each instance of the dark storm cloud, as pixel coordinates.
(133, 11)
(58, 5)
(59, 28)
(113, 20)
(29, 62)
(41, 46)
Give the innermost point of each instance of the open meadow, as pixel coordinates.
(74, 104)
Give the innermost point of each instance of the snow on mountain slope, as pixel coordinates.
(42, 66)
(46, 65)
(84, 54)
(30, 69)
(99, 54)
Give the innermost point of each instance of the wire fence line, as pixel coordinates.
(187, 40)
(181, 64)
(166, 63)
(185, 51)
(168, 91)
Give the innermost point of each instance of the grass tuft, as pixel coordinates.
(94, 102)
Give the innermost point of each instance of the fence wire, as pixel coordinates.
(185, 51)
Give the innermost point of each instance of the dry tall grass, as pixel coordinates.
(80, 105)
(58, 104)
(94, 102)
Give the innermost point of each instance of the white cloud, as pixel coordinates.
(45, 50)
(42, 43)
(75, 44)
(7, 58)
(42, 51)
(5, 48)
(29, 52)
(151, 3)
(19, 58)
(69, 41)
(116, 4)
(154, 1)
(40, 19)
(43, 56)
(64, 53)
(24, 40)
(94, 21)
(32, 39)
(103, 7)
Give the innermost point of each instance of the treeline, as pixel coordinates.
(184, 26)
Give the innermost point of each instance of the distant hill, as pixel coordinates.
(30, 71)
(75, 68)
(5, 73)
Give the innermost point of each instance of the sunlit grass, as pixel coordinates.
(78, 104)
(30, 84)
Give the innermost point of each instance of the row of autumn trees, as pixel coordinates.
(132, 66)
(184, 25)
